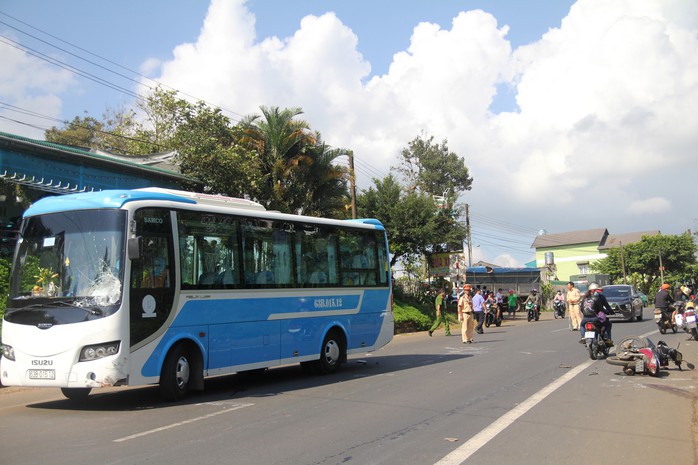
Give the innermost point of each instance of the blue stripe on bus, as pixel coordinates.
(250, 333)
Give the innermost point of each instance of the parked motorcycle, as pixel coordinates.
(559, 309)
(640, 355)
(594, 340)
(491, 316)
(531, 310)
(686, 320)
(664, 320)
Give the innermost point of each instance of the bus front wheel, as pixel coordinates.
(176, 373)
(76, 393)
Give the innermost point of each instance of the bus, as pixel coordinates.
(158, 286)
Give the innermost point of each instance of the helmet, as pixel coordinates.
(594, 287)
(686, 290)
(666, 286)
(467, 287)
(533, 291)
(690, 305)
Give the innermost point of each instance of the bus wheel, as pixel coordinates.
(332, 353)
(76, 393)
(176, 371)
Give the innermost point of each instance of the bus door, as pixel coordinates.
(152, 276)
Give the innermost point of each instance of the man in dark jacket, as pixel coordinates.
(663, 300)
(600, 309)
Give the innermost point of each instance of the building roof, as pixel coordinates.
(616, 240)
(597, 235)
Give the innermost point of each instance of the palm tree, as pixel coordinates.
(322, 183)
(279, 140)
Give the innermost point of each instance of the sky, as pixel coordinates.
(570, 115)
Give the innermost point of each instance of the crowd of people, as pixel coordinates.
(582, 308)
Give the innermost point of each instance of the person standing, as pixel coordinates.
(573, 298)
(465, 315)
(441, 316)
(479, 310)
(513, 303)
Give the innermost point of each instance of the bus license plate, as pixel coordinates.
(42, 374)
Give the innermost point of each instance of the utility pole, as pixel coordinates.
(622, 261)
(352, 181)
(661, 266)
(470, 239)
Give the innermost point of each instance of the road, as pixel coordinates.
(524, 393)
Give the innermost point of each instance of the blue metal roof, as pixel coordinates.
(98, 200)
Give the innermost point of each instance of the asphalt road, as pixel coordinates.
(524, 393)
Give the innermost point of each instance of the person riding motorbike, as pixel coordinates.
(663, 301)
(596, 309)
(492, 300)
(535, 299)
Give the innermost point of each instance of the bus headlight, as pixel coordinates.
(97, 351)
(8, 352)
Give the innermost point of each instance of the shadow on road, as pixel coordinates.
(258, 383)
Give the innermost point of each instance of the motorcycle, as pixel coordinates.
(686, 320)
(640, 355)
(594, 340)
(664, 320)
(532, 313)
(491, 315)
(559, 309)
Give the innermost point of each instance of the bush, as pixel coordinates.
(412, 316)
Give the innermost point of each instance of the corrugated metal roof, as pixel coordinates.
(570, 238)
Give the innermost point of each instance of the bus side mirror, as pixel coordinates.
(134, 247)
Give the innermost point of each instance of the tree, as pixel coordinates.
(642, 261)
(83, 132)
(432, 168)
(410, 218)
(207, 149)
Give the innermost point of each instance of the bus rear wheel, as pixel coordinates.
(332, 353)
(76, 393)
(176, 374)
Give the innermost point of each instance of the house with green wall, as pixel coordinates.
(573, 253)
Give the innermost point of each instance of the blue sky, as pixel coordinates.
(566, 112)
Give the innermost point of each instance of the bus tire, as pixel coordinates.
(76, 393)
(176, 373)
(332, 353)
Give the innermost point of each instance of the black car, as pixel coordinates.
(624, 300)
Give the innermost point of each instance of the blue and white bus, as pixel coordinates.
(146, 286)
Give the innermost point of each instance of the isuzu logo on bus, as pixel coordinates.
(42, 362)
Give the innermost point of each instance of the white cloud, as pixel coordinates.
(30, 87)
(606, 102)
(652, 205)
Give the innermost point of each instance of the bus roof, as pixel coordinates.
(118, 198)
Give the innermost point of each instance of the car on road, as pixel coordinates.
(625, 301)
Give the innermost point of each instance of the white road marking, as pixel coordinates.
(461, 454)
(232, 408)
(474, 444)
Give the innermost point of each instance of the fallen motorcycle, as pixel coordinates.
(639, 355)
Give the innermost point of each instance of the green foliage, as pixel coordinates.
(410, 316)
(547, 292)
(678, 256)
(5, 267)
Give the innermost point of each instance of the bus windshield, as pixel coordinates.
(69, 259)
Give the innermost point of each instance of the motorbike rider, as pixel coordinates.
(492, 300)
(599, 308)
(559, 299)
(535, 299)
(663, 301)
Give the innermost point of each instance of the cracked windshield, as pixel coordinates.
(74, 258)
